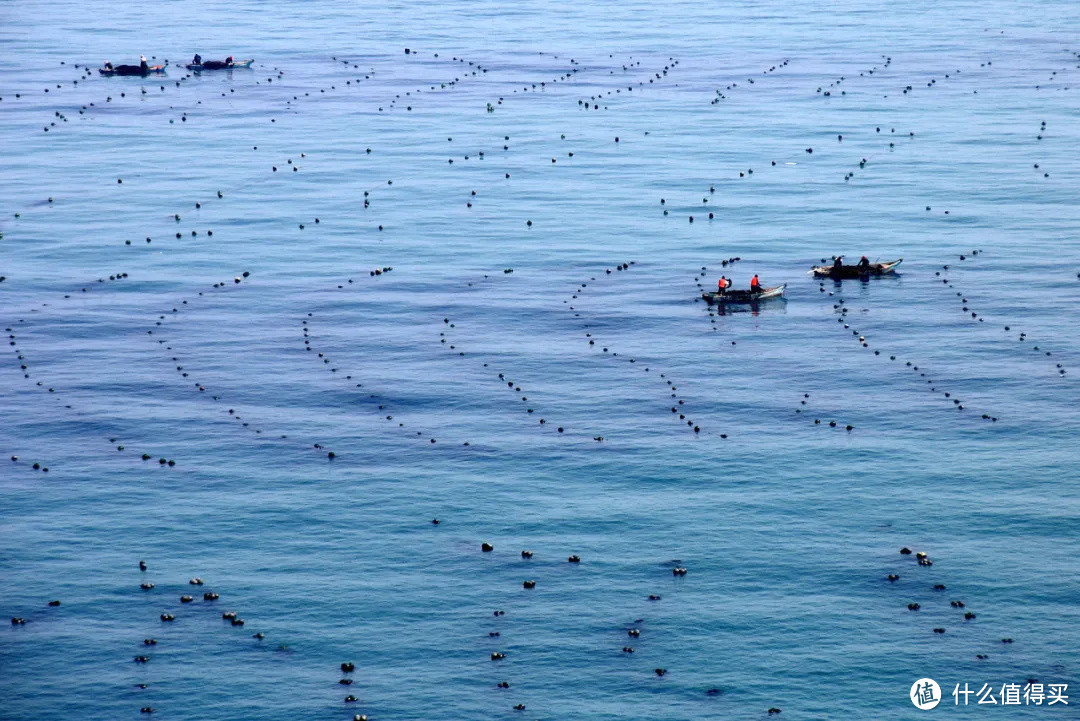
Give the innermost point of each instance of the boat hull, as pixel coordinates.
(219, 65)
(132, 70)
(853, 271)
(743, 297)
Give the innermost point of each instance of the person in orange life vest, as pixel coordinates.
(755, 285)
(723, 285)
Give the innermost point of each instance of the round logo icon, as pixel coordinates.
(925, 694)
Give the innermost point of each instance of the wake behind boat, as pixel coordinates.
(744, 296)
(854, 271)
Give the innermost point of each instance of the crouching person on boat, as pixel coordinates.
(864, 265)
(755, 284)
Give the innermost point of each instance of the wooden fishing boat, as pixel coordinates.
(744, 296)
(853, 271)
(132, 70)
(219, 65)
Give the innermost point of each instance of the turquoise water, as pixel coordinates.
(788, 528)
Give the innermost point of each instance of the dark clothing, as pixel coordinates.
(218, 64)
(864, 265)
(197, 60)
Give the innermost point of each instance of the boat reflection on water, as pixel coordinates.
(754, 308)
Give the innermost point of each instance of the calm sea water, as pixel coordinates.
(671, 435)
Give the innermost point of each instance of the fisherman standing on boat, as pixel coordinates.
(755, 284)
(197, 60)
(864, 265)
(722, 285)
(142, 65)
(838, 265)
(229, 61)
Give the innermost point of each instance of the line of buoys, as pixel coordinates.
(932, 82)
(370, 398)
(20, 355)
(477, 71)
(679, 409)
(841, 309)
(540, 85)
(720, 94)
(183, 371)
(593, 101)
(966, 307)
(863, 73)
(511, 385)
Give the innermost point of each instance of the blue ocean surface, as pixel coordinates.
(444, 262)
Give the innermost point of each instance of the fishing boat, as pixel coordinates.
(744, 296)
(219, 65)
(131, 70)
(854, 271)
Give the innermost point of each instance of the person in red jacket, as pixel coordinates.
(723, 285)
(755, 284)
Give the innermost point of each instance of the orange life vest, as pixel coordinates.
(754, 284)
(722, 283)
